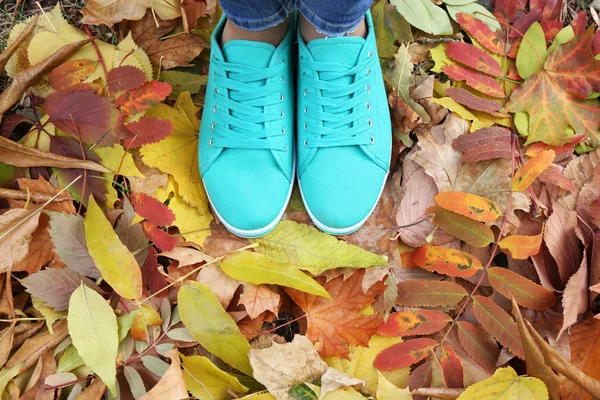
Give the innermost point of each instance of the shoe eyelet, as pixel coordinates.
(372, 139)
(305, 126)
(370, 123)
(215, 57)
(281, 98)
(282, 60)
(305, 143)
(282, 80)
(301, 59)
(212, 126)
(283, 131)
(282, 114)
(215, 109)
(286, 149)
(368, 89)
(217, 91)
(210, 142)
(305, 109)
(368, 72)
(368, 105)
(370, 54)
(305, 92)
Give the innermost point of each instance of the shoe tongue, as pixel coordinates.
(245, 52)
(340, 50)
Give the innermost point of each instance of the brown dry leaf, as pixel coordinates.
(16, 236)
(579, 172)
(283, 366)
(333, 379)
(187, 256)
(153, 178)
(36, 389)
(42, 186)
(171, 385)
(10, 50)
(575, 297)
(94, 391)
(113, 11)
(24, 79)
(41, 249)
(6, 342)
(560, 238)
(35, 346)
(13, 153)
(258, 299)
(191, 10)
(221, 284)
(177, 51)
(585, 355)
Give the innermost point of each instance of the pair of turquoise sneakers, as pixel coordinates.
(330, 92)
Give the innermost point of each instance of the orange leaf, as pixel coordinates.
(478, 81)
(522, 247)
(531, 170)
(473, 57)
(585, 354)
(404, 354)
(429, 293)
(481, 32)
(473, 232)
(140, 99)
(478, 344)
(525, 292)
(470, 205)
(337, 322)
(145, 316)
(499, 324)
(414, 322)
(446, 261)
(71, 73)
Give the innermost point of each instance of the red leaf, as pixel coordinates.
(10, 122)
(579, 23)
(125, 78)
(414, 322)
(596, 43)
(71, 73)
(525, 292)
(481, 32)
(146, 131)
(505, 9)
(152, 210)
(160, 238)
(538, 147)
(151, 275)
(404, 354)
(554, 175)
(484, 144)
(481, 347)
(94, 118)
(446, 261)
(498, 324)
(473, 57)
(523, 23)
(452, 368)
(419, 293)
(140, 99)
(468, 99)
(478, 81)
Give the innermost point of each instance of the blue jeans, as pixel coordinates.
(330, 17)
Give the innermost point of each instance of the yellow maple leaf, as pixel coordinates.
(111, 158)
(177, 155)
(506, 385)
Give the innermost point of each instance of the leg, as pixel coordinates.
(258, 21)
(332, 18)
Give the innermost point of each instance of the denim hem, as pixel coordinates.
(325, 27)
(261, 24)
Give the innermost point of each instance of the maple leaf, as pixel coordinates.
(554, 97)
(337, 322)
(259, 298)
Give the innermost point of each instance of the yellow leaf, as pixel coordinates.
(193, 223)
(506, 385)
(360, 365)
(211, 326)
(128, 53)
(115, 262)
(48, 312)
(93, 329)
(478, 119)
(111, 158)
(440, 58)
(178, 153)
(251, 267)
(205, 381)
(344, 394)
(388, 391)
(312, 250)
(259, 396)
(167, 9)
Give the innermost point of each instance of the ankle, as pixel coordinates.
(273, 35)
(309, 31)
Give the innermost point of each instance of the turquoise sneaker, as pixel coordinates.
(246, 146)
(344, 130)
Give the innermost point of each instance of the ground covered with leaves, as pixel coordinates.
(480, 264)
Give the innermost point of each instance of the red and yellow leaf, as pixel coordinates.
(525, 176)
(446, 261)
(526, 293)
(144, 317)
(146, 131)
(478, 344)
(414, 322)
(151, 209)
(470, 205)
(71, 73)
(499, 324)
(474, 233)
(161, 239)
(538, 147)
(140, 99)
(522, 247)
(474, 102)
(481, 32)
(417, 293)
(484, 144)
(473, 57)
(478, 81)
(125, 78)
(404, 354)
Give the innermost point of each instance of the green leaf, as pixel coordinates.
(183, 81)
(562, 37)
(312, 250)
(247, 266)
(532, 51)
(115, 262)
(506, 385)
(136, 384)
(124, 323)
(475, 9)
(70, 360)
(521, 120)
(302, 392)
(93, 329)
(205, 381)
(390, 27)
(425, 15)
(211, 326)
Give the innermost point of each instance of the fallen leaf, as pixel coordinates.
(404, 354)
(506, 383)
(12, 48)
(171, 384)
(390, 26)
(575, 297)
(524, 291)
(333, 379)
(259, 298)
(388, 391)
(476, 80)
(147, 131)
(472, 56)
(71, 73)
(521, 247)
(16, 229)
(419, 293)
(474, 233)
(124, 78)
(138, 100)
(478, 344)
(151, 275)
(446, 261)
(528, 173)
(562, 242)
(484, 144)
(145, 316)
(481, 32)
(469, 205)
(204, 380)
(414, 322)
(161, 239)
(33, 347)
(584, 340)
